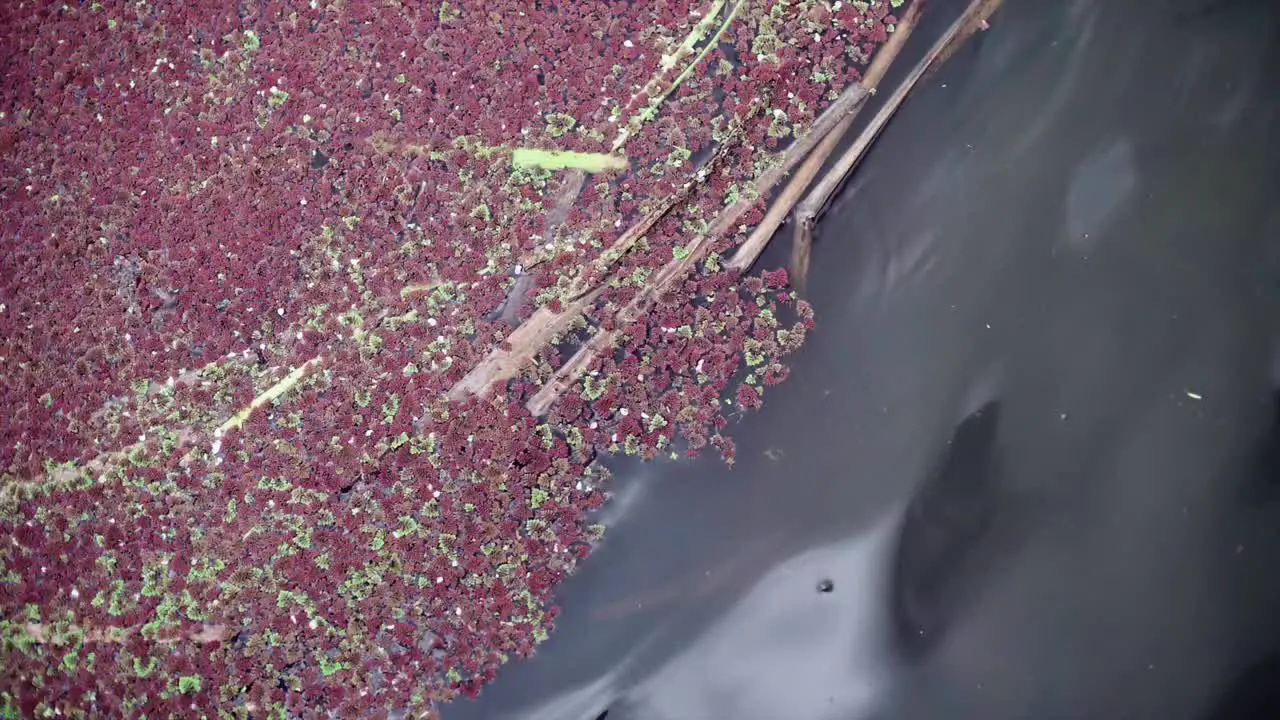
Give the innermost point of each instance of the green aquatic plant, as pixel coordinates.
(564, 159)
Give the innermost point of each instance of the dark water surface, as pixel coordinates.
(1034, 443)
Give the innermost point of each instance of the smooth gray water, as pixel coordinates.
(1034, 442)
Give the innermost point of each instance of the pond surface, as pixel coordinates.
(1028, 465)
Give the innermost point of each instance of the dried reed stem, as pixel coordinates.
(973, 19)
(749, 251)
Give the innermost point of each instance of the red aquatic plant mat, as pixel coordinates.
(249, 249)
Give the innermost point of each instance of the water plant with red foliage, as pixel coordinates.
(249, 248)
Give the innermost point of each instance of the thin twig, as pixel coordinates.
(268, 395)
(533, 334)
(623, 244)
(847, 103)
(98, 469)
(524, 341)
(749, 251)
(568, 374)
(973, 18)
(657, 95)
(977, 22)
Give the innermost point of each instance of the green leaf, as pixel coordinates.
(561, 159)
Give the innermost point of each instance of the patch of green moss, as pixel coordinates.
(330, 667)
(142, 670)
(559, 124)
(593, 388)
(537, 497)
(276, 97)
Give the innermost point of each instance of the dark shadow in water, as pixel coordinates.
(1263, 484)
(1255, 694)
(943, 526)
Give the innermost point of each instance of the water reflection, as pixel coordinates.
(1100, 185)
(787, 649)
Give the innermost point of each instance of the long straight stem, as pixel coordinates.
(749, 250)
(973, 18)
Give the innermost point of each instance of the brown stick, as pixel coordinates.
(978, 22)
(749, 251)
(525, 341)
(628, 239)
(781, 206)
(838, 114)
(798, 263)
(569, 373)
(845, 105)
(973, 19)
(541, 327)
